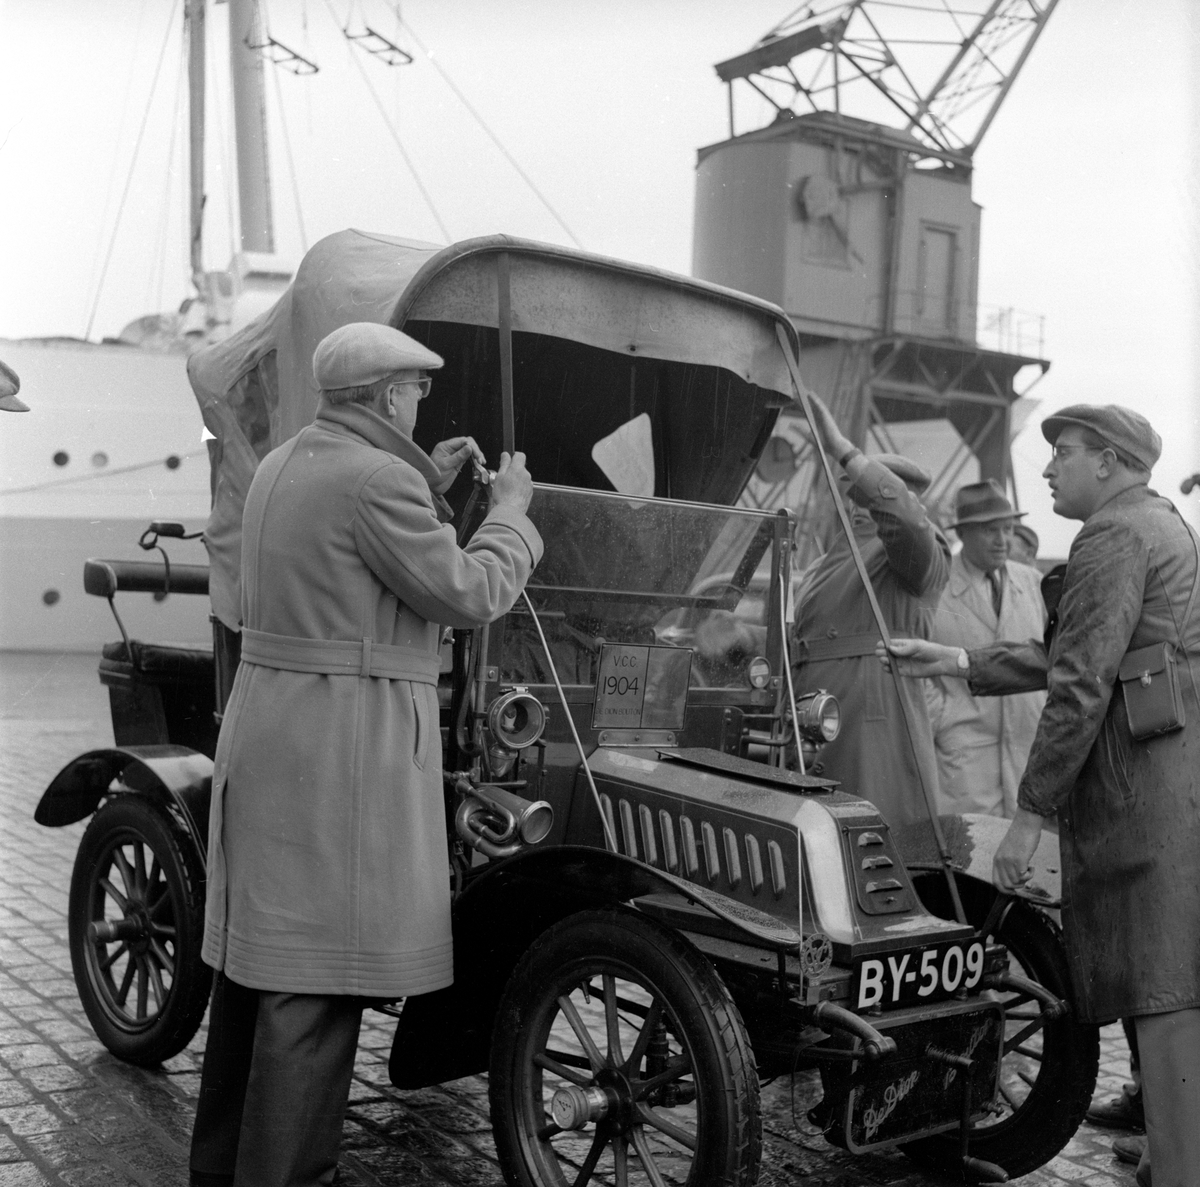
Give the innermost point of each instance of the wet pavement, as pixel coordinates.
(72, 1114)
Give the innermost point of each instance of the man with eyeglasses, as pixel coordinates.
(982, 743)
(1128, 805)
(328, 876)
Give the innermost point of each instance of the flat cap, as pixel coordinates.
(366, 351)
(10, 384)
(1125, 430)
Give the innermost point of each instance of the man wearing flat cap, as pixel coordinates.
(327, 862)
(1115, 758)
(908, 561)
(983, 742)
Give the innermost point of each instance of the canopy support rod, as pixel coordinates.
(504, 320)
(802, 395)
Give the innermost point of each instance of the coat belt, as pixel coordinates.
(809, 651)
(339, 657)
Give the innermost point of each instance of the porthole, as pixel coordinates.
(51, 597)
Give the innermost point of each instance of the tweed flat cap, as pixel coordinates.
(1125, 430)
(365, 351)
(10, 384)
(982, 502)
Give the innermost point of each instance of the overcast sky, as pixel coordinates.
(1086, 177)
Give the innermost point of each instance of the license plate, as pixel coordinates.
(916, 976)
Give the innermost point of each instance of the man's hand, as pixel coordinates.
(450, 455)
(512, 486)
(1011, 867)
(836, 443)
(920, 657)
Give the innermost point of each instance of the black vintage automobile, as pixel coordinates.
(655, 906)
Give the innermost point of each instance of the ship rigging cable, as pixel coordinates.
(492, 135)
(387, 120)
(178, 457)
(162, 53)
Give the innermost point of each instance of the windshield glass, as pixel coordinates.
(620, 569)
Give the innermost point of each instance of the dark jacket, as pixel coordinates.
(1129, 811)
(908, 561)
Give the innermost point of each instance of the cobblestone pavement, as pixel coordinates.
(72, 1114)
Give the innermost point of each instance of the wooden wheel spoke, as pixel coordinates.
(143, 987)
(647, 1158)
(550, 1130)
(127, 874)
(126, 981)
(547, 1063)
(163, 929)
(1026, 1078)
(673, 1131)
(1027, 1051)
(139, 867)
(155, 877)
(162, 957)
(653, 1018)
(620, 1160)
(1008, 1096)
(567, 1006)
(113, 956)
(114, 893)
(1011, 1042)
(612, 1021)
(593, 1156)
(156, 985)
(680, 1066)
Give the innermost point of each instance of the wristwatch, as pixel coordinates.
(963, 661)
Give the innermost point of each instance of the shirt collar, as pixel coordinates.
(382, 434)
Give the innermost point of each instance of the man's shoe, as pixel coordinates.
(1129, 1149)
(1122, 1112)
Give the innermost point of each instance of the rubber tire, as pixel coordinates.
(135, 818)
(729, 1123)
(1049, 1116)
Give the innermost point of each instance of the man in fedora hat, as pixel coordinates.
(983, 742)
(1127, 800)
(908, 561)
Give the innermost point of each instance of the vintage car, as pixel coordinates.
(653, 912)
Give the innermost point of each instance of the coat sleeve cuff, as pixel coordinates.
(519, 522)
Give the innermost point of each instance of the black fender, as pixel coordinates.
(447, 1033)
(972, 840)
(179, 778)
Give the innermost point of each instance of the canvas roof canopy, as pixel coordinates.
(619, 376)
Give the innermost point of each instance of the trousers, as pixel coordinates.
(1169, 1053)
(273, 1087)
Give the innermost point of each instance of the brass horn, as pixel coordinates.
(497, 822)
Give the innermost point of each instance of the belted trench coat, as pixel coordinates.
(983, 743)
(328, 865)
(908, 560)
(1129, 811)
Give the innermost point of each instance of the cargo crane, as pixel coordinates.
(852, 208)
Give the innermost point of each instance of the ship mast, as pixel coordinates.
(250, 126)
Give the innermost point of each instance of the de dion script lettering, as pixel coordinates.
(977, 1036)
(893, 1094)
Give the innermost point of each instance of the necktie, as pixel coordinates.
(994, 581)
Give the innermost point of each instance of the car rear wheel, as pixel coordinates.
(135, 922)
(1049, 1067)
(620, 1057)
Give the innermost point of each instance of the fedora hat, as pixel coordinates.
(982, 502)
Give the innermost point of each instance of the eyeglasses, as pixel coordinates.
(1058, 452)
(422, 385)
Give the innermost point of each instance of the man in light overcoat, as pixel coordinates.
(328, 872)
(983, 743)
